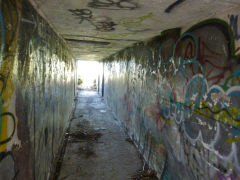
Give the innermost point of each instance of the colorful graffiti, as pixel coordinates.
(36, 72)
(184, 91)
(7, 119)
(134, 24)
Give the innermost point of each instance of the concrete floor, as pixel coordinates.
(97, 147)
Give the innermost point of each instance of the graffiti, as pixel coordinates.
(227, 177)
(2, 36)
(136, 22)
(197, 82)
(172, 6)
(114, 5)
(185, 92)
(7, 163)
(32, 57)
(9, 20)
(207, 58)
(8, 114)
(232, 80)
(233, 21)
(101, 23)
(230, 116)
(8, 25)
(82, 14)
(196, 87)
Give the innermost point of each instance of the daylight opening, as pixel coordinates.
(89, 74)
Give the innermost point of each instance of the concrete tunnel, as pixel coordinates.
(167, 104)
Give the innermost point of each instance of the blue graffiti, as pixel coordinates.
(197, 86)
(194, 82)
(195, 89)
(236, 73)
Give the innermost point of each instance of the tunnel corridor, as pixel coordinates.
(97, 147)
(166, 97)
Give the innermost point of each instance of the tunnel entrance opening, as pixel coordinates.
(89, 75)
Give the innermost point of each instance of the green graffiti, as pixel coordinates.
(227, 116)
(231, 80)
(134, 22)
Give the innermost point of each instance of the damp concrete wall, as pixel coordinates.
(36, 92)
(178, 97)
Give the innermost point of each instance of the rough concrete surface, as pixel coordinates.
(95, 29)
(36, 92)
(179, 98)
(97, 146)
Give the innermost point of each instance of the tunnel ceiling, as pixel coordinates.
(95, 29)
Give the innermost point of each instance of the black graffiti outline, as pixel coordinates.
(173, 5)
(86, 14)
(198, 109)
(2, 79)
(82, 14)
(3, 155)
(110, 4)
(14, 127)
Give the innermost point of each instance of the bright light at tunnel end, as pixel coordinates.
(88, 71)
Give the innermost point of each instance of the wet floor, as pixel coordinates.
(97, 147)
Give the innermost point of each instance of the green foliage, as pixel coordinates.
(80, 81)
(94, 84)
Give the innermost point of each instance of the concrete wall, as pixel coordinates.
(36, 92)
(179, 98)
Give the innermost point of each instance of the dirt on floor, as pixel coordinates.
(145, 175)
(97, 148)
(89, 136)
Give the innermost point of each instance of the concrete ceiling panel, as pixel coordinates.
(96, 29)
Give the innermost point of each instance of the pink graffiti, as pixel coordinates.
(227, 177)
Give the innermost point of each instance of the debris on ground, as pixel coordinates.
(145, 175)
(79, 136)
(96, 146)
(129, 140)
(87, 150)
(86, 137)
